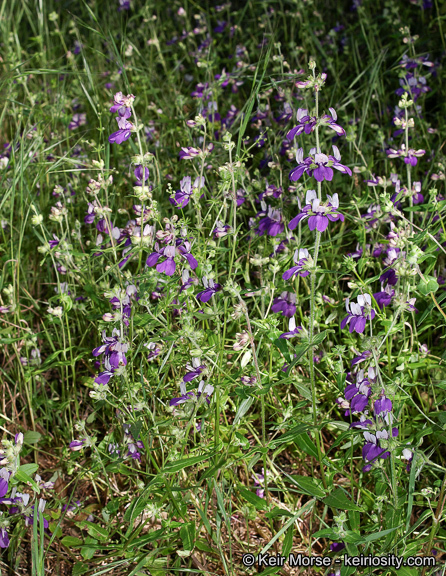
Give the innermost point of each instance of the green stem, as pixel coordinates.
(408, 166)
(311, 358)
(262, 396)
(436, 519)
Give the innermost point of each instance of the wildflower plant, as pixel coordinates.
(222, 286)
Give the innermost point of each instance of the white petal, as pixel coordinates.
(311, 195)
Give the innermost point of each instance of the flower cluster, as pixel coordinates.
(187, 189)
(362, 394)
(123, 107)
(113, 349)
(318, 165)
(170, 247)
(308, 123)
(318, 214)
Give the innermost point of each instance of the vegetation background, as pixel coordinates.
(117, 477)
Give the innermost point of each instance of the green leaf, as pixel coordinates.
(95, 530)
(29, 468)
(253, 499)
(135, 429)
(80, 568)
(319, 338)
(21, 476)
(204, 547)
(355, 520)
(187, 535)
(290, 435)
(406, 571)
(288, 542)
(299, 351)
(352, 550)
(338, 499)
(308, 486)
(428, 285)
(353, 537)
(306, 444)
(278, 512)
(303, 390)
(326, 533)
(282, 345)
(242, 409)
(72, 542)
(31, 437)
(87, 552)
(429, 309)
(378, 535)
(185, 462)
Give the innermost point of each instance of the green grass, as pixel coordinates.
(190, 504)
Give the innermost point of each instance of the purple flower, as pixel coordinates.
(55, 242)
(293, 329)
(154, 350)
(182, 196)
(389, 276)
(168, 266)
(260, 480)
(337, 546)
(240, 194)
(305, 124)
(195, 369)
(133, 450)
(121, 101)
(221, 25)
(185, 396)
(310, 82)
(4, 539)
(308, 123)
(408, 455)
(361, 358)
(201, 90)
(4, 486)
(358, 313)
(104, 376)
(138, 172)
(271, 223)
(77, 121)
(301, 259)
(221, 230)
(410, 156)
(189, 152)
(76, 445)
(125, 127)
(382, 406)
(384, 298)
(271, 190)
(211, 288)
(410, 63)
(123, 134)
(357, 394)
(318, 214)
(285, 303)
(318, 165)
(372, 448)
